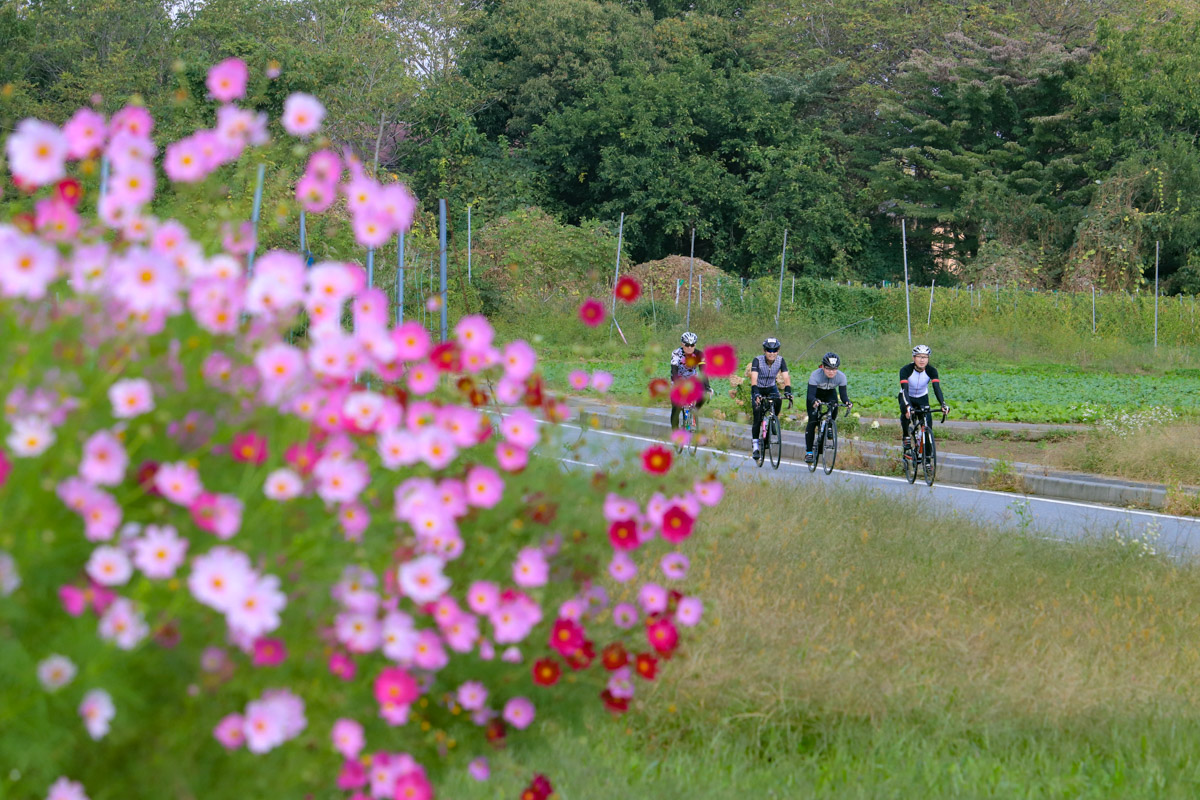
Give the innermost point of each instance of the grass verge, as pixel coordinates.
(860, 647)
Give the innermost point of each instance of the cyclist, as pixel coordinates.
(915, 380)
(824, 385)
(767, 373)
(686, 362)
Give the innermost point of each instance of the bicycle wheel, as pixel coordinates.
(694, 429)
(829, 451)
(930, 460)
(812, 465)
(774, 441)
(910, 455)
(683, 426)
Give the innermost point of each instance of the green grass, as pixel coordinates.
(857, 648)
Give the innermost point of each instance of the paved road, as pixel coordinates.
(1059, 519)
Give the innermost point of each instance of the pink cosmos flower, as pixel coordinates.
(591, 312)
(479, 769)
(269, 652)
(601, 380)
(340, 480)
(342, 665)
(122, 624)
(510, 457)
(27, 265)
(109, 566)
(249, 447)
(519, 360)
(484, 487)
(354, 519)
(421, 579)
(85, 132)
(474, 333)
(184, 161)
(653, 598)
(578, 380)
(348, 737)
(283, 484)
(509, 392)
(315, 195)
(422, 378)
(131, 397)
(230, 731)
(220, 577)
(178, 482)
(302, 114)
(622, 568)
(675, 566)
(353, 776)
(483, 597)
(159, 552)
(519, 713)
(97, 710)
(413, 786)
(360, 632)
(55, 672)
(625, 616)
(429, 654)
(227, 80)
(472, 695)
(64, 789)
(30, 437)
(134, 121)
(263, 727)
(689, 611)
(256, 610)
(394, 685)
(37, 152)
(709, 493)
(531, 568)
(399, 637)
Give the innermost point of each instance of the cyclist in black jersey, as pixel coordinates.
(767, 373)
(825, 384)
(687, 361)
(915, 381)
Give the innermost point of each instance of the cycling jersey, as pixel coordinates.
(768, 373)
(916, 383)
(679, 367)
(822, 387)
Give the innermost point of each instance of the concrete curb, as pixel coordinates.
(952, 468)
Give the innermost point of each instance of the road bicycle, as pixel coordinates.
(826, 444)
(769, 435)
(689, 422)
(922, 453)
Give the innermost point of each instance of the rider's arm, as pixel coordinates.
(785, 380)
(812, 395)
(842, 392)
(905, 372)
(674, 372)
(936, 384)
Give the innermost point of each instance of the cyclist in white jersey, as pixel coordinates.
(767, 373)
(915, 381)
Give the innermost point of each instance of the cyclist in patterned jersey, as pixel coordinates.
(824, 385)
(686, 362)
(767, 373)
(915, 380)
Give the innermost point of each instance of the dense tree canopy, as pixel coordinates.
(1030, 142)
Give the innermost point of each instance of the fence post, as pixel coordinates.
(442, 245)
(793, 291)
(468, 245)
(929, 317)
(617, 272)
(782, 263)
(907, 309)
(1093, 309)
(678, 283)
(691, 269)
(700, 282)
(258, 187)
(1156, 243)
(400, 280)
(653, 310)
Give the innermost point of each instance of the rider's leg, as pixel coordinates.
(903, 419)
(756, 423)
(675, 410)
(810, 431)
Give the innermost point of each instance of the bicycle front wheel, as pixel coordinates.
(774, 442)
(930, 461)
(694, 430)
(829, 453)
(912, 454)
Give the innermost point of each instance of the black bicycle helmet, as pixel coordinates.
(831, 360)
(771, 345)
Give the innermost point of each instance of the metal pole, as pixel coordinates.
(468, 245)
(1156, 243)
(929, 317)
(400, 280)
(691, 269)
(793, 290)
(371, 268)
(617, 270)
(303, 238)
(254, 217)
(1093, 309)
(907, 309)
(103, 179)
(782, 264)
(442, 244)
(700, 283)
(653, 310)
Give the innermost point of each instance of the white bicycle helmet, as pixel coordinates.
(689, 338)
(921, 350)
